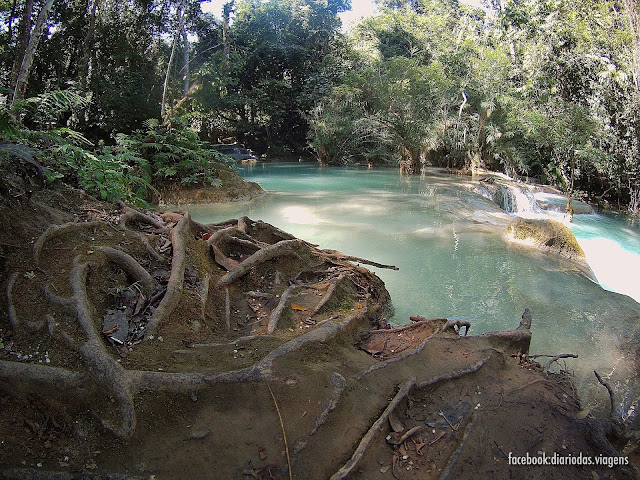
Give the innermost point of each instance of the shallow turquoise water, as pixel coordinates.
(453, 259)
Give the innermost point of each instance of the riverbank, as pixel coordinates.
(449, 393)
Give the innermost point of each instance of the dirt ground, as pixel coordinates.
(141, 345)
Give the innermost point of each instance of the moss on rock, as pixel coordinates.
(550, 236)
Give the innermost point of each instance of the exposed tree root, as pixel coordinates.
(56, 299)
(104, 369)
(339, 384)
(221, 259)
(152, 251)
(55, 332)
(11, 310)
(102, 373)
(456, 454)
(197, 289)
(455, 374)
(282, 248)
(407, 353)
(42, 376)
(609, 390)
(227, 310)
(218, 236)
(258, 372)
(57, 230)
(275, 231)
(328, 294)
(404, 355)
(348, 467)
(277, 312)
(132, 215)
(457, 326)
(131, 267)
(13, 316)
(174, 287)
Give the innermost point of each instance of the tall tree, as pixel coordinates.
(27, 60)
(264, 84)
(176, 36)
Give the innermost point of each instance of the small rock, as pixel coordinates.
(385, 469)
(199, 433)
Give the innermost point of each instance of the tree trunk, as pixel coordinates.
(12, 15)
(30, 51)
(226, 48)
(84, 69)
(23, 41)
(633, 14)
(176, 34)
(185, 61)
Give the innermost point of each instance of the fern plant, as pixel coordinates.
(175, 154)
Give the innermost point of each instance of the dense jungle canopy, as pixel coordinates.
(541, 88)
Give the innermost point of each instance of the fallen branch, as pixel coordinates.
(335, 255)
(521, 387)
(371, 433)
(555, 358)
(407, 435)
(282, 248)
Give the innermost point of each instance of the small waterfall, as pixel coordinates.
(516, 199)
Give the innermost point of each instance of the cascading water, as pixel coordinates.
(610, 248)
(448, 243)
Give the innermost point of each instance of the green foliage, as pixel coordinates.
(124, 171)
(109, 173)
(279, 66)
(175, 153)
(45, 109)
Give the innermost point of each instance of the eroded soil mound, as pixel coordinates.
(141, 344)
(232, 188)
